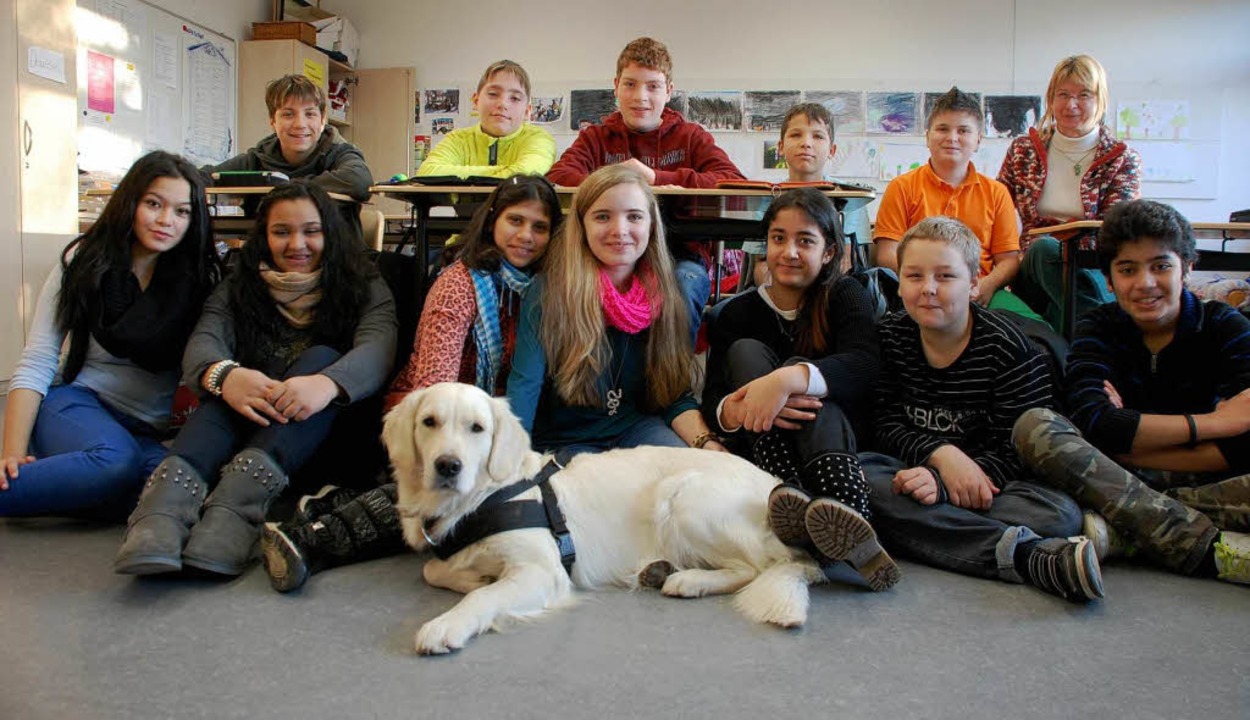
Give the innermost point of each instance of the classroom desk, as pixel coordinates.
(688, 213)
(1077, 230)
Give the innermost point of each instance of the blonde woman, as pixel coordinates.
(1070, 167)
(603, 353)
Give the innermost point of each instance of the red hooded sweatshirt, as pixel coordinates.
(680, 152)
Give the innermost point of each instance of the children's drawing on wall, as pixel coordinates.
(932, 97)
(1153, 120)
(893, 113)
(420, 149)
(897, 159)
(1168, 162)
(1008, 116)
(590, 107)
(847, 108)
(442, 125)
(678, 102)
(716, 109)
(416, 109)
(546, 109)
(764, 110)
(443, 101)
(856, 158)
(772, 159)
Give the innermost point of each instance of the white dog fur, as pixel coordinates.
(702, 511)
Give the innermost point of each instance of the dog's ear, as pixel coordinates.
(510, 444)
(399, 437)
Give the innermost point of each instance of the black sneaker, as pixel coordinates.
(329, 497)
(280, 553)
(1067, 568)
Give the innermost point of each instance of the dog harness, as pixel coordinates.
(496, 515)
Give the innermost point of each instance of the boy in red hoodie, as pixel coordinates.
(656, 140)
(659, 143)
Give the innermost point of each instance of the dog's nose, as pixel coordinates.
(447, 467)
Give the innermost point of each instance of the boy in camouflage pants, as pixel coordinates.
(1158, 445)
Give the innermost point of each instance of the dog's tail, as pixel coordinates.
(779, 594)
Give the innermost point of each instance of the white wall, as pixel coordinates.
(1153, 49)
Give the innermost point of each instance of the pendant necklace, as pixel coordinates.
(616, 390)
(1077, 161)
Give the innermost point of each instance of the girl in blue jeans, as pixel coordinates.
(303, 326)
(80, 436)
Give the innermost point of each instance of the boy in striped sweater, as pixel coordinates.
(951, 490)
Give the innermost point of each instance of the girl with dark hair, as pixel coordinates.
(80, 436)
(467, 333)
(791, 369)
(302, 326)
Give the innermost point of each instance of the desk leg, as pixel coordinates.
(1069, 250)
(422, 211)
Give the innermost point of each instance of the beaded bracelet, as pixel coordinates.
(217, 376)
(703, 439)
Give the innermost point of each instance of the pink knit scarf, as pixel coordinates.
(630, 311)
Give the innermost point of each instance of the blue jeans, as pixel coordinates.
(215, 432)
(972, 542)
(696, 287)
(651, 430)
(92, 459)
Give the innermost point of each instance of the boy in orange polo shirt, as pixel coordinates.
(950, 185)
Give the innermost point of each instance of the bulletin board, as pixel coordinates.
(149, 80)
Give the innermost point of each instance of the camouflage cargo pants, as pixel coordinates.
(1172, 517)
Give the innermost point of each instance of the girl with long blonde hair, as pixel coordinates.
(603, 354)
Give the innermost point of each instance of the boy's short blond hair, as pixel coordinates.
(954, 233)
(507, 66)
(277, 92)
(814, 112)
(648, 53)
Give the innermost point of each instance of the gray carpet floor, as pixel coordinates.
(77, 641)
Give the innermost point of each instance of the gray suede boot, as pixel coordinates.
(158, 528)
(222, 542)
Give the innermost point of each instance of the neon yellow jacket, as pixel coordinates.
(464, 152)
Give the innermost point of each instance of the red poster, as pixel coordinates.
(99, 82)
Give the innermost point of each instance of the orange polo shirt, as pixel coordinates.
(980, 202)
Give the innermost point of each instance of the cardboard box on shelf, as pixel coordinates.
(337, 33)
(301, 31)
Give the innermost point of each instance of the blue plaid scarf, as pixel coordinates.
(490, 288)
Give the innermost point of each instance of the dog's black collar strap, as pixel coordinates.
(496, 515)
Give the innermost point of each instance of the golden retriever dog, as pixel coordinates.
(701, 515)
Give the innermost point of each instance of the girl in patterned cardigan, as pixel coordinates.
(466, 334)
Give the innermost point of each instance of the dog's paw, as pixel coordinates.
(440, 636)
(685, 584)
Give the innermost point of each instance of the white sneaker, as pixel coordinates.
(1108, 542)
(1232, 557)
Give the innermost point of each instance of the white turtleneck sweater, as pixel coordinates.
(1061, 193)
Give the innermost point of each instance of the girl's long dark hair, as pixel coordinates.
(813, 318)
(107, 246)
(346, 273)
(477, 249)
